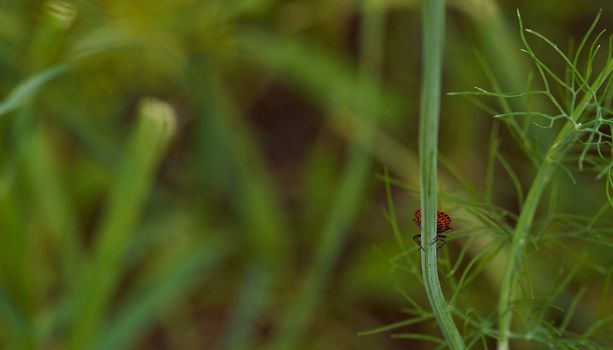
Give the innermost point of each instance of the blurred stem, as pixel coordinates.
(256, 287)
(51, 196)
(433, 23)
(351, 187)
(170, 281)
(255, 198)
(491, 160)
(500, 43)
(382, 146)
(15, 284)
(16, 262)
(556, 152)
(101, 274)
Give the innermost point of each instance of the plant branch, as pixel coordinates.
(433, 43)
(556, 152)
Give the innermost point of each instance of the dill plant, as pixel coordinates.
(563, 123)
(580, 102)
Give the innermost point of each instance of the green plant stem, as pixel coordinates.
(556, 152)
(225, 134)
(433, 43)
(50, 196)
(102, 273)
(348, 195)
(163, 290)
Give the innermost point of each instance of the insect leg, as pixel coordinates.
(442, 239)
(417, 239)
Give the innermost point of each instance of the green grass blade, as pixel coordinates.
(28, 88)
(351, 186)
(101, 274)
(15, 265)
(51, 196)
(254, 295)
(326, 79)
(256, 201)
(189, 268)
(12, 320)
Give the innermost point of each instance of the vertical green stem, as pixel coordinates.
(228, 146)
(348, 195)
(102, 273)
(554, 155)
(50, 195)
(433, 43)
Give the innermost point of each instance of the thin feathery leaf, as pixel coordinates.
(396, 325)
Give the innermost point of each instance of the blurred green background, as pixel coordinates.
(212, 174)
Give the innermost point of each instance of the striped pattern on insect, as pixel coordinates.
(443, 224)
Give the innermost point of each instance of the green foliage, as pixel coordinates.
(584, 114)
(202, 175)
(28, 88)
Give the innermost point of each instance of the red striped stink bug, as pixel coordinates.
(443, 224)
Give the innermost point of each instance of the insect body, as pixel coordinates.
(443, 224)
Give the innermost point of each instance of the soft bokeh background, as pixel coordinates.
(260, 223)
